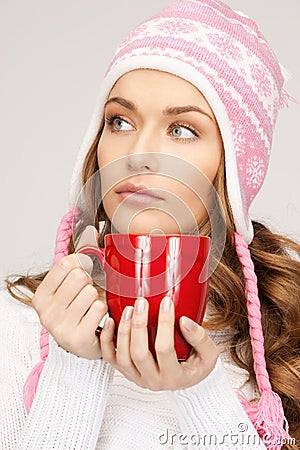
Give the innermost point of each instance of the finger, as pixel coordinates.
(94, 315)
(202, 344)
(123, 343)
(164, 342)
(85, 263)
(123, 338)
(60, 271)
(107, 343)
(89, 237)
(71, 287)
(139, 348)
(79, 308)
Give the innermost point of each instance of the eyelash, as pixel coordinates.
(110, 120)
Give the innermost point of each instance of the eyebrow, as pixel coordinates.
(170, 111)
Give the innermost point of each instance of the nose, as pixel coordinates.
(142, 162)
(144, 153)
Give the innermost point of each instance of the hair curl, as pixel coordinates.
(276, 260)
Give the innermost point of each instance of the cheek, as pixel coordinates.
(102, 155)
(103, 159)
(108, 208)
(211, 169)
(104, 149)
(209, 164)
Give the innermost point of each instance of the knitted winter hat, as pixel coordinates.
(223, 54)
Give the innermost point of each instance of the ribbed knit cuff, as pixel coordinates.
(211, 413)
(68, 408)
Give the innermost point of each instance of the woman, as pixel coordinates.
(176, 59)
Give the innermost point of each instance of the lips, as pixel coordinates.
(138, 193)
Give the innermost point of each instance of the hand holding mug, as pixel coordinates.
(134, 359)
(69, 308)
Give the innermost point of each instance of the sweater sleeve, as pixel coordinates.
(68, 408)
(71, 396)
(211, 415)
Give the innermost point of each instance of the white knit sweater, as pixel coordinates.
(85, 404)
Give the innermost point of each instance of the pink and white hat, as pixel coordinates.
(223, 54)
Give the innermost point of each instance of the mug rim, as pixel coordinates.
(199, 236)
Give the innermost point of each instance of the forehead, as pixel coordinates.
(158, 87)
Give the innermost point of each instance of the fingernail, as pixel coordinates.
(166, 304)
(139, 305)
(89, 236)
(127, 314)
(86, 263)
(188, 324)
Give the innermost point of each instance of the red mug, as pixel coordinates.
(153, 266)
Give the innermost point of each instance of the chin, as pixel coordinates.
(146, 222)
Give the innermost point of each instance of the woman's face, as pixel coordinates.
(160, 134)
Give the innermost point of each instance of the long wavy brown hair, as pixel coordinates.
(277, 265)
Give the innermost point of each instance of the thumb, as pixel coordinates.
(89, 237)
(198, 338)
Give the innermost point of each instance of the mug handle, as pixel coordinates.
(95, 251)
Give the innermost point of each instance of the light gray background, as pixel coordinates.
(54, 55)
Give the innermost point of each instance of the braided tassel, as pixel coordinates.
(267, 414)
(63, 237)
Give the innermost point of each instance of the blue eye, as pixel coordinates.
(189, 133)
(116, 122)
(182, 132)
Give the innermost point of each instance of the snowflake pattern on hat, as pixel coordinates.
(176, 26)
(261, 78)
(226, 46)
